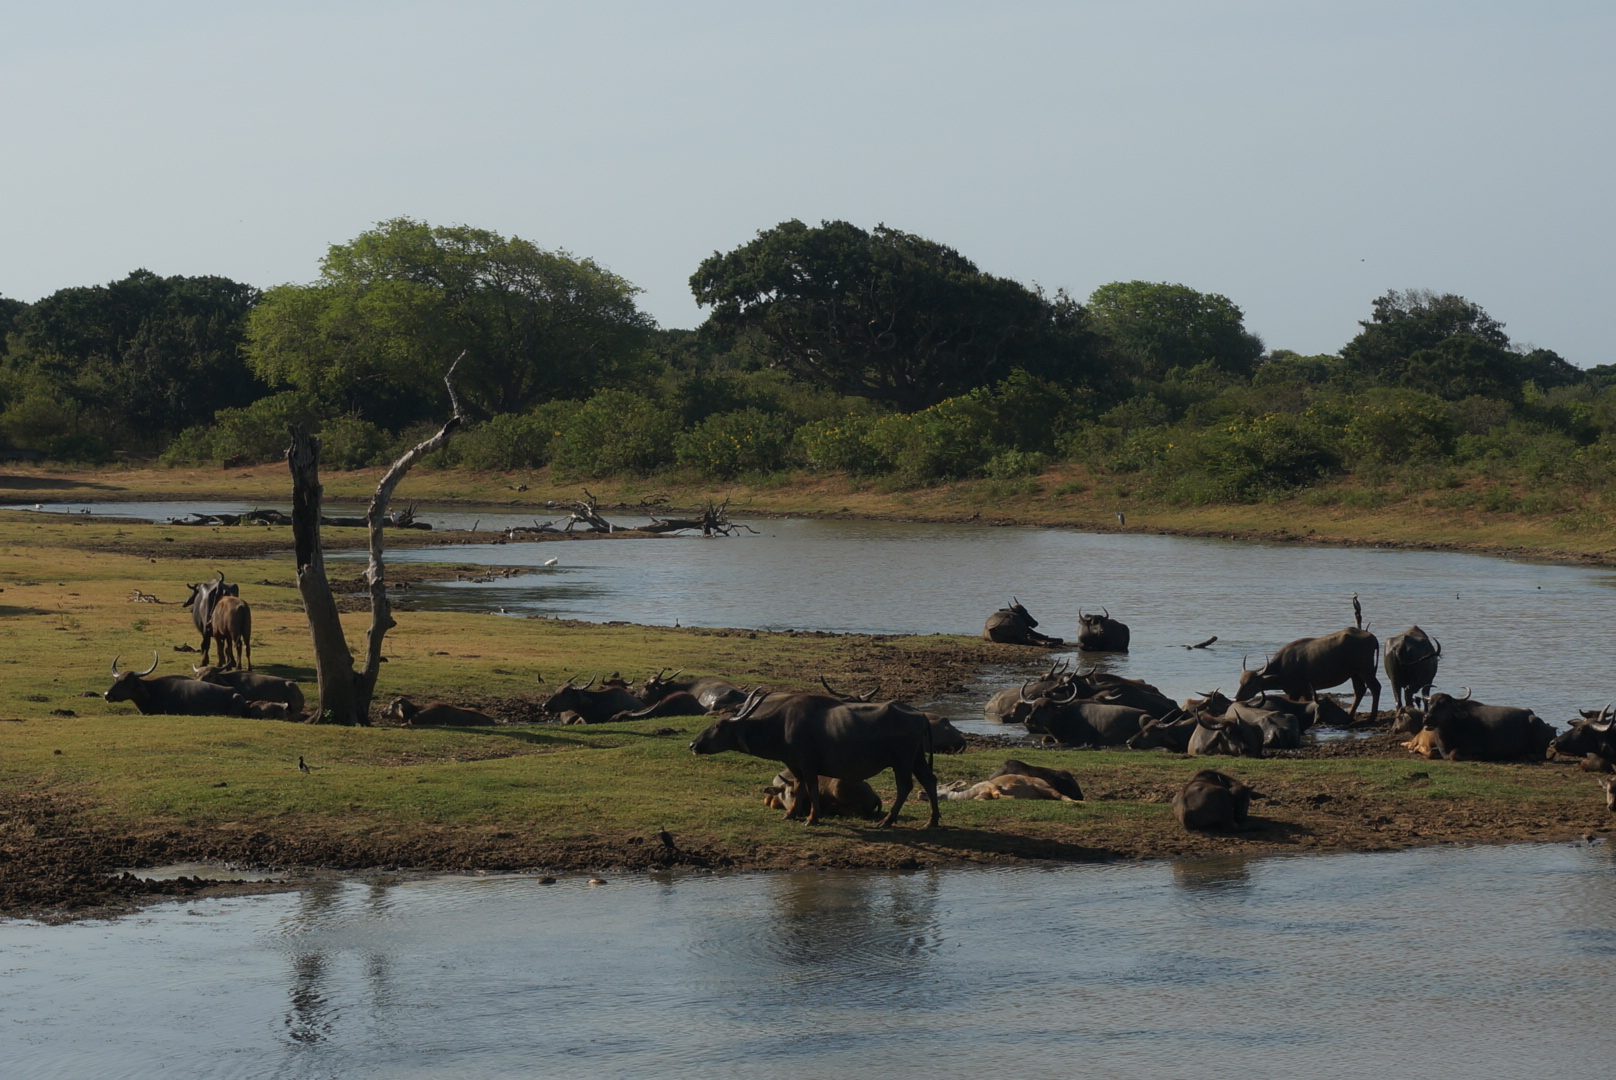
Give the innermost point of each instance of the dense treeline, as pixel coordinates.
(876, 353)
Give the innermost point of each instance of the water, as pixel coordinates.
(1471, 963)
(1519, 633)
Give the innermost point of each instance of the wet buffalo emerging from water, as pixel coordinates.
(1101, 633)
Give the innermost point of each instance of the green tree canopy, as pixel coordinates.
(1154, 326)
(156, 353)
(887, 315)
(400, 301)
(1447, 345)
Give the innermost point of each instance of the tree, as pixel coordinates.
(345, 694)
(157, 353)
(1445, 345)
(1155, 326)
(365, 338)
(887, 315)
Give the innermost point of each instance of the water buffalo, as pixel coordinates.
(203, 595)
(1610, 793)
(1013, 625)
(268, 710)
(255, 687)
(1310, 664)
(1281, 728)
(817, 735)
(1468, 730)
(1059, 779)
(945, 737)
(1213, 800)
(1595, 763)
(1174, 735)
(1589, 735)
(1081, 723)
(435, 714)
(594, 706)
(713, 693)
(1134, 693)
(677, 703)
(232, 626)
(837, 798)
(1009, 786)
(1101, 633)
(1003, 703)
(173, 695)
(1411, 660)
(1225, 735)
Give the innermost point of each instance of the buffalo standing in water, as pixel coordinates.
(1101, 633)
(1411, 661)
(1014, 625)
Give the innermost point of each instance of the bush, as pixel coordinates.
(351, 443)
(615, 432)
(951, 439)
(1013, 463)
(35, 418)
(515, 440)
(842, 444)
(1248, 460)
(91, 448)
(727, 444)
(1399, 427)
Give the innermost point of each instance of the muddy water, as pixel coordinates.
(1468, 963)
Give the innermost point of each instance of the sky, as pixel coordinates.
(1299, 157)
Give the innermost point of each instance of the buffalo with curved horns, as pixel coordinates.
(1306, 665)
(1587, 735)
(1014, 625)
(593, 706)
(1470, 731)
(1101, 633)
(713, 692)
(204, 594)
(1411, 661)
(173, 695)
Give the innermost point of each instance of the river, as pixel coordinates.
(1470, 963)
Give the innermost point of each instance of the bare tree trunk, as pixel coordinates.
(345, 694)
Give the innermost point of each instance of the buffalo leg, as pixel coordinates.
(807, 774)
(928, 787)
(905, 781)
(1374, 699)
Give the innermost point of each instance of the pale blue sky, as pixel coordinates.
(1300, 158)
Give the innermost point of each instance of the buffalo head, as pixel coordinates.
(1588, 736)
(125, 684)
(568, 697)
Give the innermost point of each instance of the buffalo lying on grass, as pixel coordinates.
(1213, 800)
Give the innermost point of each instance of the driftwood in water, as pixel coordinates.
(714, 521)
(586, 511)
(537, 527)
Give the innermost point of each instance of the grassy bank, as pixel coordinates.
(1067, 496)
(86, 787)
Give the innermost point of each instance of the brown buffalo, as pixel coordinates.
(1309, 664)
(1007, 787)
(1059, 779)
(232, 626)
(435, 714)
(1213, 800)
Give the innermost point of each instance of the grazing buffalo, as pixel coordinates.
(1213, 736)
(435, 714)
(1081, 723)
(1101, 633)
(713, 693)
(837, 798)
(1610, 793)
(1411, 661)
(1310, 664)
(1059, 779)
(201, 601)
(1010, 786)
(594, 706)
(1594, 735)
(1013, 625)
(817, 735)
(173, 695)
(1470, 731)
(1213, 800)
(255, 687)
(232, 626)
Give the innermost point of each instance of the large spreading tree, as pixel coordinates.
(887, 315)
(370, 334)
(1154, 326)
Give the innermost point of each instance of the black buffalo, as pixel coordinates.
(1467, 730)
(1594, 735)
(817, 735)
(1101, 633)
(1014, 625)
(204, 594)
(592, 706)
(1081, 723)
(1411, 661)
(1213, 800)
(713, 693)
(255, 687)
(1307, 665)
(173, 695)
(1059, 779)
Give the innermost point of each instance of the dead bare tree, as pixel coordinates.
(714, 521)
(345, 694)
(586, 511)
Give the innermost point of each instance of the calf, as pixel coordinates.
(837, 798)
(435, 714)
(1009, 787)
(1059, 779)
(1213, 800)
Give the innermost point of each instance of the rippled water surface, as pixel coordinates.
(1468, 963)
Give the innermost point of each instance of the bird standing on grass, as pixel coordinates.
(1122, 519)
(303, 766)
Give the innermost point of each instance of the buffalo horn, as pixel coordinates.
(751, 703)
(591, 681)
(1466, 695)
(1072, 696)
(1438, 647)
(1106, 611)
(828, 688)
(153, 667)
(676, 674)
(1023, 692)
(869, 695)
(115, 665)
(1243, 660)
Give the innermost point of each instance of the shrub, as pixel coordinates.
(90, 448)
(727, 444)
(842, 444)
(351, 443)
(615, 432)
(951, 439)
(36, 418)
(1010, 464)
(1400, 427)
(515, 440)
(1257, 458)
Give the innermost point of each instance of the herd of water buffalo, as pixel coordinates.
(844, 739)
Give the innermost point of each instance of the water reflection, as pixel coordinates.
(1224, 873)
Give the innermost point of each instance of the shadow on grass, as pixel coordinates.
(6, 610)
(50, 483)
